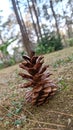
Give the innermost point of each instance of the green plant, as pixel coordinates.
(41, 49)
(59, 62)
(3, 47)
(55, 42)
(7, 63)
(63, 84)
(11, 61)
(70, 41)
(7, 60)
(49, 44)
(1, 65)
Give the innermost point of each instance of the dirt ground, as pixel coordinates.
(57, 114)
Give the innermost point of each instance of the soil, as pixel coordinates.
(56, 114)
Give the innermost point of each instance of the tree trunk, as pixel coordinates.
(34, 25)
(1, 38)
(26, 42)
(70, 2)
(66, 21)
(67, 27)
(35, 12)
(54, 15)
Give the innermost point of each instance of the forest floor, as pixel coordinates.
(57, 114)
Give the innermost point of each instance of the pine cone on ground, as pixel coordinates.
(38, 79)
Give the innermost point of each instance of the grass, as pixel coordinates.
(63, 61)
(57, 114)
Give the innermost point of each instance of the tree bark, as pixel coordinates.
(1, 38)
(71, 6)
(66, 21)
(34, 25)
(26, 41)
(37, 19)
(54, 15)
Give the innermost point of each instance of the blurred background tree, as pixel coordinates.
(36, 25)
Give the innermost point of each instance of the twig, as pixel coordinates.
(40, 122)
(46, 123)
(42, 129)
(62, 113)
(30, 114)
(10, 111)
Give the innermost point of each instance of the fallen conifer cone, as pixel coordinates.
(38, 79)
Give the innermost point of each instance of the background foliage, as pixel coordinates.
(37, 26)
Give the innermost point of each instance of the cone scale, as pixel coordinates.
(38, 79)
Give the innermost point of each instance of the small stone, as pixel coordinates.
(69, 121)
(18, 126)
(59, 116)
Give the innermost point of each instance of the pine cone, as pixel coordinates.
(38, 79)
